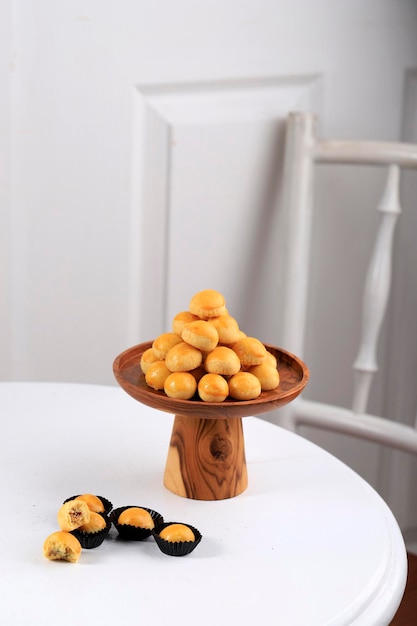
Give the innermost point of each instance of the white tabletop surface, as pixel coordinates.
(308, 543)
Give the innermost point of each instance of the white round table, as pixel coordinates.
(308, 543)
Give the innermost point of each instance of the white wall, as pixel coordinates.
(5, 196)
(145, 147)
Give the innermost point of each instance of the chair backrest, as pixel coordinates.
(304, 150)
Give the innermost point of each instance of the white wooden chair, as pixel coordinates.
(304, 150)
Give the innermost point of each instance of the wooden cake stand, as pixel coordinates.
(206, 456)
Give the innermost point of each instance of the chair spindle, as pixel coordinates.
(376, 292)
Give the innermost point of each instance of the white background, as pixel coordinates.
(141, 144)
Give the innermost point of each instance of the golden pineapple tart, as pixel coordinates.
(73, 514)
(177, 532)
(136, 516)
(227, 329)
(222, 360)
(213, 388)
(93, 502)
(206, 355)
(62, 546)
(180, 385)
(156, 374)
(201, 335)
(208, 303)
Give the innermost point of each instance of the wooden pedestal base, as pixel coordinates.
(206, 458)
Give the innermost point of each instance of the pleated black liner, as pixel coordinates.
(135, 533)
(177, 548)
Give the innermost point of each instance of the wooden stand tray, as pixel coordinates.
(206, 456)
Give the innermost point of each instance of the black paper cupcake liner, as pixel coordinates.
(135, 533)
(176, 548)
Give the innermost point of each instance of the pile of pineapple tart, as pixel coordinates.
(206, 354)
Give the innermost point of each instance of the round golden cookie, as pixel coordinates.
(93, 502)
(73, 514)
(163, 344)
(271, 359)
(201, 335)
(227, 329)
(213, 388)
(183, 358)
(156, 375)
(96, 523)
(177, 532)
(136, 516)
(244, 386)
(62, 546)
(208, 303)
(267, 375)
(181, 385)
(250, 351)
(182, 318)
(222, 360)
(147, 358)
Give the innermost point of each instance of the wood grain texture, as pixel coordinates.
(294, 376)
(206, 458)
